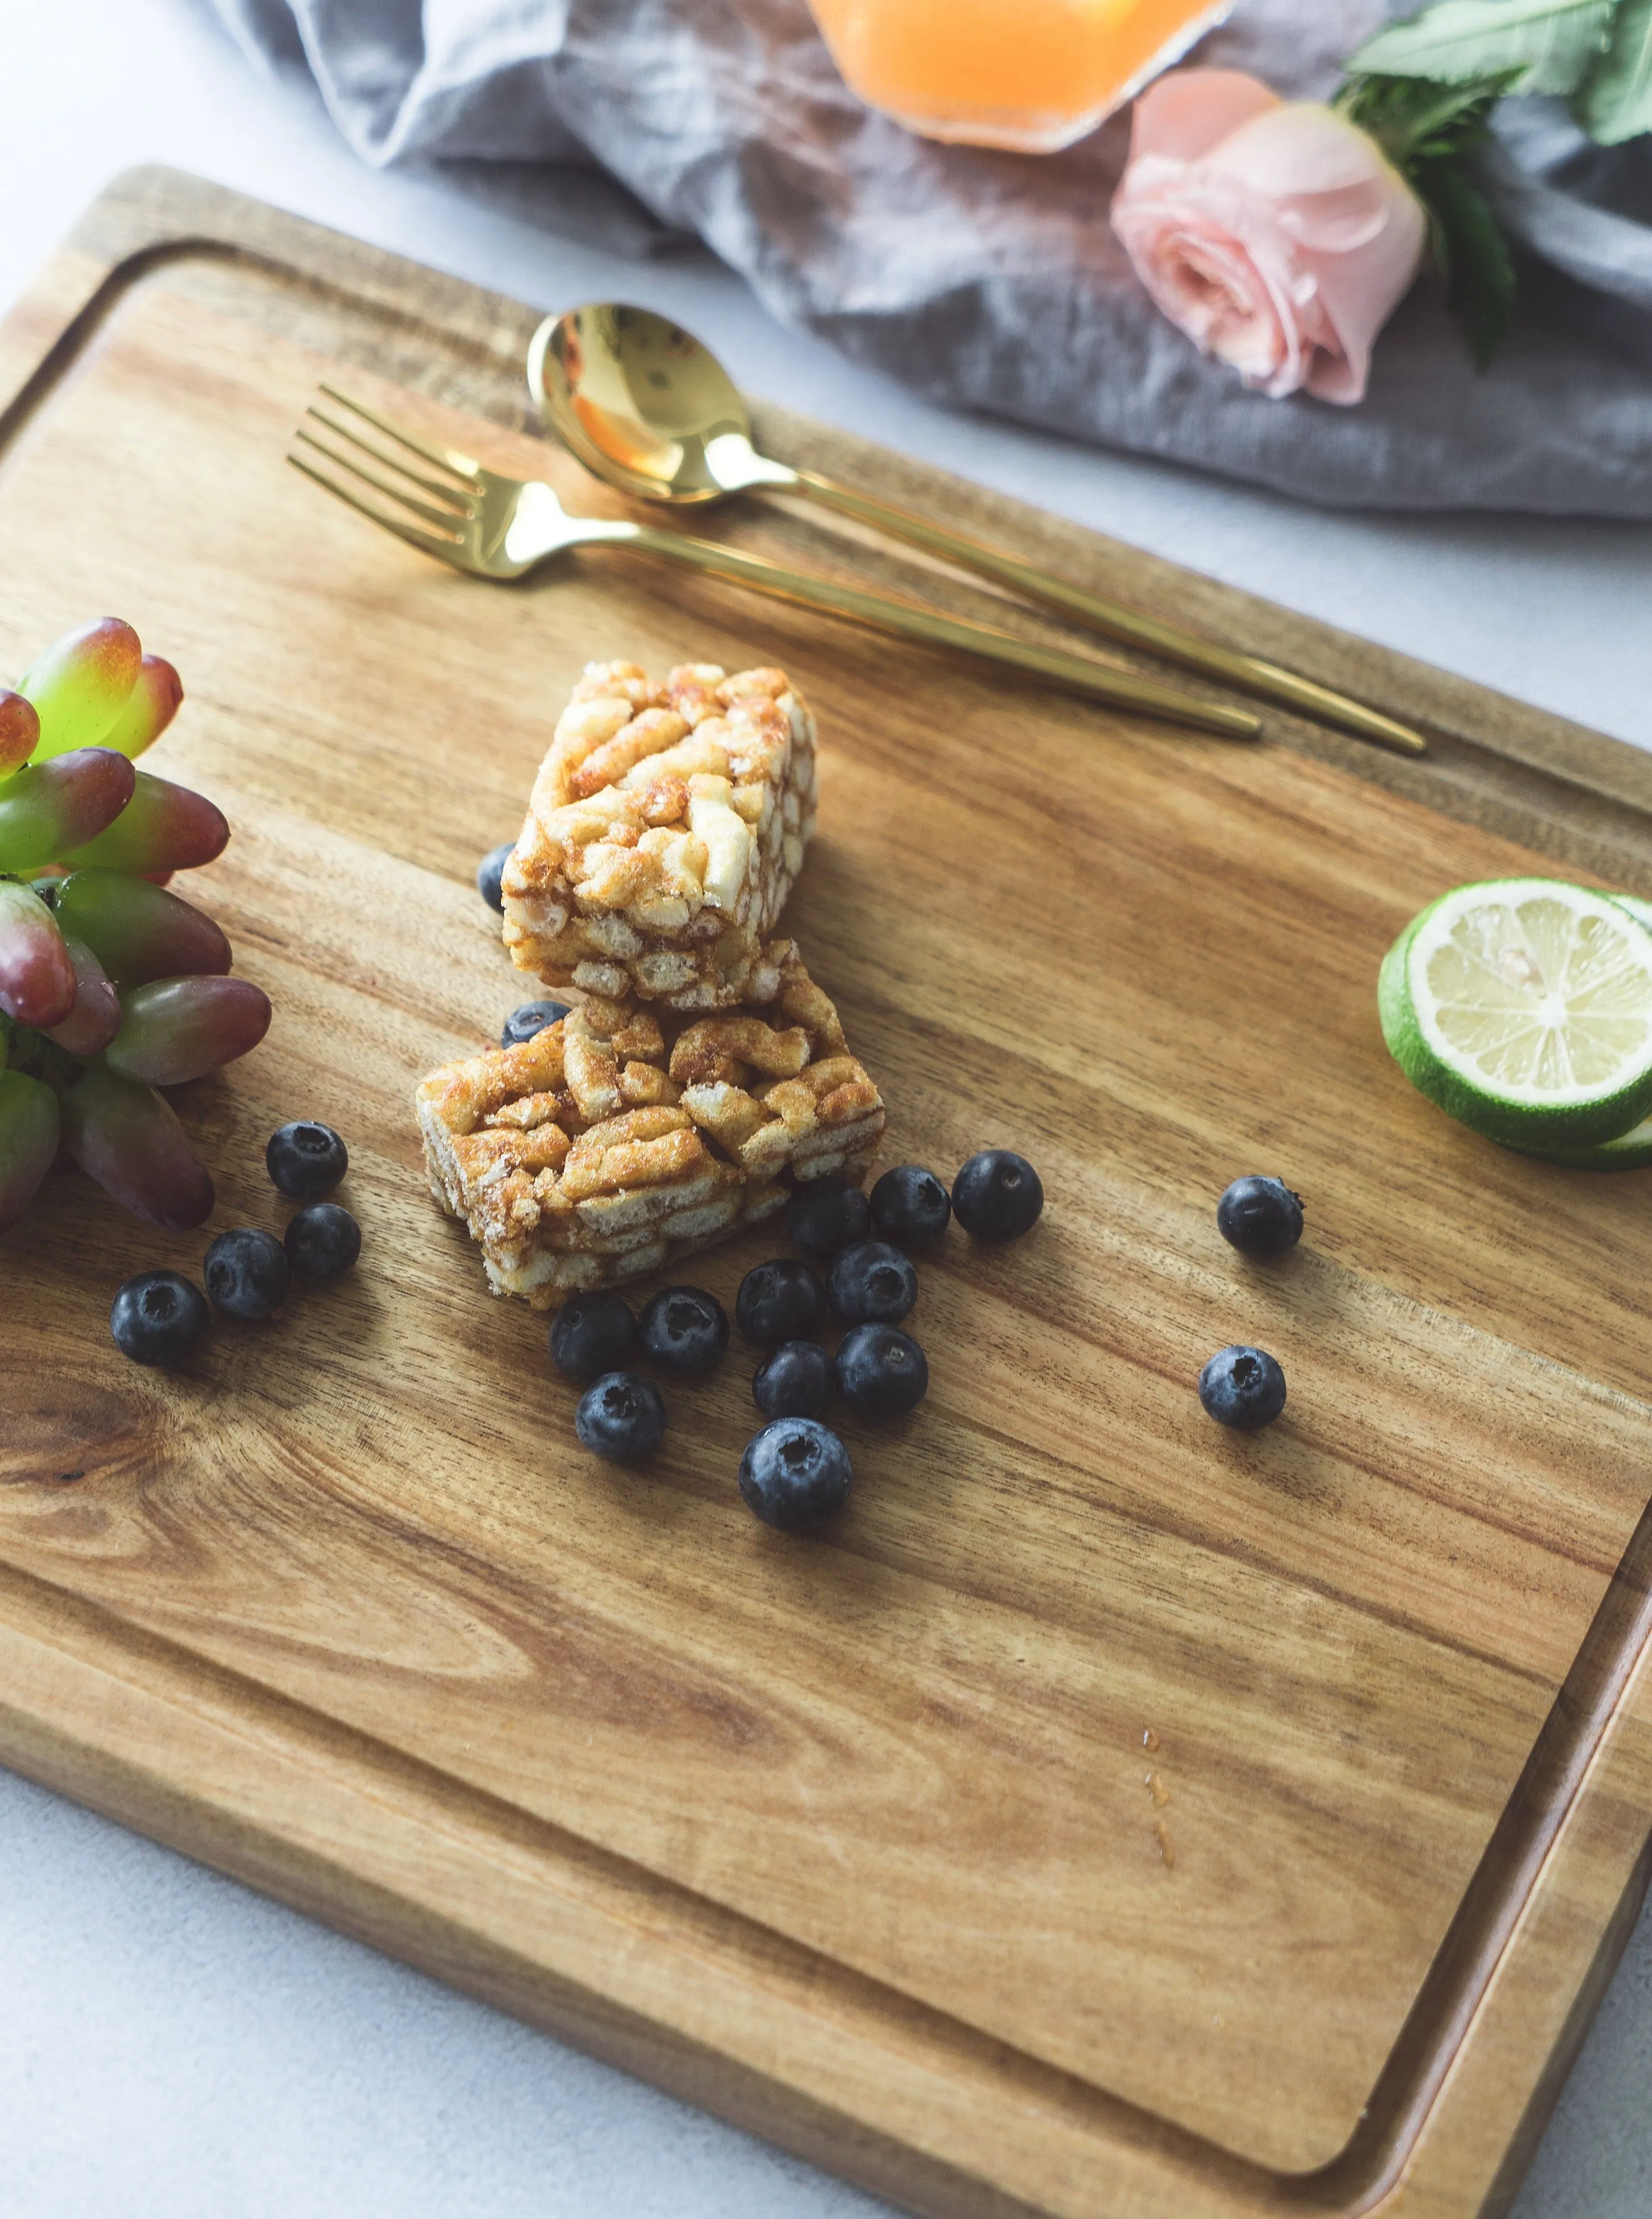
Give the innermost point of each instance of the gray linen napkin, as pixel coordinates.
(992, 281)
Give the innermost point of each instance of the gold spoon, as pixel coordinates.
(648, 409)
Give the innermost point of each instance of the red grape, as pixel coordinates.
(81, 683)
(138, 932)
(52, 808)
(150, 707)
(19, 730)
(28, 1141)
(128, 1137)
(95, 1017)
(176, 1029)
(37, 978)
(163, 828)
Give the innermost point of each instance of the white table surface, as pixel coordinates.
(170, 2044)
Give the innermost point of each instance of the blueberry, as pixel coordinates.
(247, 1273)
(997, 1195)
(305, 1160)
(157, 1318)
(323, 1242)
(592, 1333)
(1243, 1387)
(824, 1215)
(872, 1283)
(909, 1204)
(880, 1371)
(490, 871)
(530, 1021)
(620, 1417)
(1260, 1217)
(779, 1301)
(795, 1381)
(685, 1329)
(795, 1473)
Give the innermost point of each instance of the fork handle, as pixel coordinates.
(1074, 674)
(1249, 673)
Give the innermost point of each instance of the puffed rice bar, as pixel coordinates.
(665, 829)
(628, 1134)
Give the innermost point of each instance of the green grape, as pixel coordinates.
(150, 707)
(163, 828)
(19, 730)
(80, 684)
(52, 808)
(28, 1141)
(138, 932)
(129, 1139)
(37, 975)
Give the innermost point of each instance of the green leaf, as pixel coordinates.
(1616, 102)
(1553, 44)
(1472, 252)
(1414, 119)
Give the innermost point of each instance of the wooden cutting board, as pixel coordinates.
(1110, 1815)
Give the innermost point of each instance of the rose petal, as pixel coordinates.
(1191, 252)
(1323, 177)
(1359, 292)
(1300, 147)
(1227, 303)
(1186, 113)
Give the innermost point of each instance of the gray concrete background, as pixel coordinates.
(172, 2044)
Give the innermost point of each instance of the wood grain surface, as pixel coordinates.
(1110, 1815)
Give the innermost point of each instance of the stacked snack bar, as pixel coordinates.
(704, 1068)
(665, 829)
(628, 1134)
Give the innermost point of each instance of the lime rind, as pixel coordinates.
(1639, 909)
(1523, 1007)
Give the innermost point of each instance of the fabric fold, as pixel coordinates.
(992, 282)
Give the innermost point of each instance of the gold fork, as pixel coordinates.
(499, 528)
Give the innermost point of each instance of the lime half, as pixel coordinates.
(1524, 1008)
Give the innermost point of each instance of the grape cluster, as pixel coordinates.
(111, 986)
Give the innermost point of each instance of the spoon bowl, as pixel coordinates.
(645, 406)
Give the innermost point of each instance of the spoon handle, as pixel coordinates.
(1114, 619)
(1074, 674)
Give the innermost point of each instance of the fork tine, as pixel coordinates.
(444, 488)
(463, 466)
(452, 521)
(446, 550)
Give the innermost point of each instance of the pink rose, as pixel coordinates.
(1278, 237)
